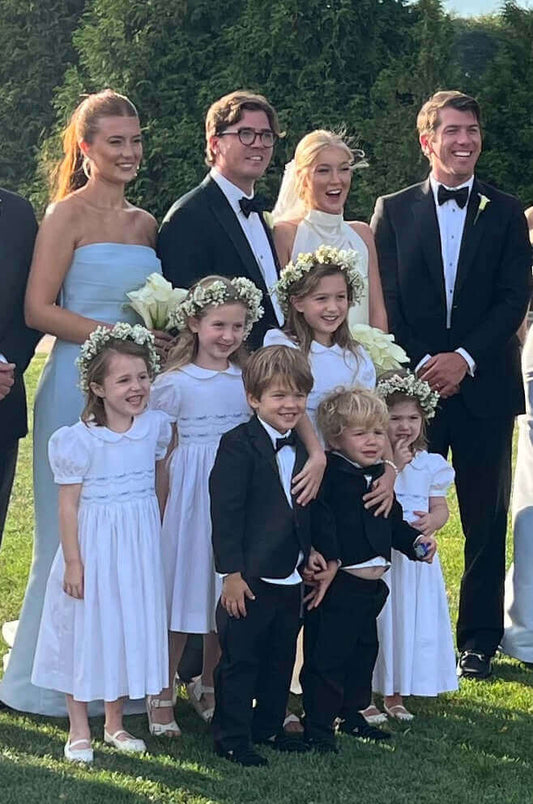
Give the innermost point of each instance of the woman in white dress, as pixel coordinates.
(309, 213)
(93, 247)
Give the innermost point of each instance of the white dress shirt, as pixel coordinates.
(285, 458)
(254, 231)
(451, 219)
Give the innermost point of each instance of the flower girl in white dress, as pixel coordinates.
(202, 391)
(103, 627)
(416, 654)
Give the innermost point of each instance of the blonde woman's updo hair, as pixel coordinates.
(292, 203)
(69, 174)
(186, 348)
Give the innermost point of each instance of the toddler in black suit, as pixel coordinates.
(340, 636)
(261, 538)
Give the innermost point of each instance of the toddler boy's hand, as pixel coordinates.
(235, 590)
(431, 546)
(321, 584)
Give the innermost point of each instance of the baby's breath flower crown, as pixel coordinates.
(99, 339)
(410, 385)
(216, 294)
(345, 260)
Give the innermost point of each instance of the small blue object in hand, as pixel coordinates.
(421, 550)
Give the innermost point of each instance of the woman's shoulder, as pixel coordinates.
(363, 230)
(145, 225)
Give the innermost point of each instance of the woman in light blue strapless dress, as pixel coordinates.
(93, 278)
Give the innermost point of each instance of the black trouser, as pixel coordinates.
(8, 463)
(481, 457)
(340, 651)
(257, 658)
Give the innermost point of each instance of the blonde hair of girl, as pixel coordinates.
(186, 349)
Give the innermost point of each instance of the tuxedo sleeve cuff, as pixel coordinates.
(422, 363)
(469, 360)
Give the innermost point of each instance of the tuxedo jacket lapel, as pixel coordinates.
(472, 232)
(263, 444)
(228, 220)
(427, 231)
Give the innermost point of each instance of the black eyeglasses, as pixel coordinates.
(248, 136)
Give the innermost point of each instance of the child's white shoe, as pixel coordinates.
(131, 745)
(73, 754)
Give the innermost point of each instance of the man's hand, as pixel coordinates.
(235, 590)
(7, 378)
(444, 372)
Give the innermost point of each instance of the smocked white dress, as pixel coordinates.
(205, 404)
(416, 653)
(113, 642)
(331, 366)
(322, 228)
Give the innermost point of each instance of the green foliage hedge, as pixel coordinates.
(364, 66)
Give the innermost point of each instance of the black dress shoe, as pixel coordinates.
(321, 745)
(473, 664)
(285, 742)
(357, 726)
(242, 755)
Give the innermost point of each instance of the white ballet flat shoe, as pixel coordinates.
(131, 745)
(73, 754)
(195, 691)
(158, 729)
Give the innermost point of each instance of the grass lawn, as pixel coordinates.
(468, 747)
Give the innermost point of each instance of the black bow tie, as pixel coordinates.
(459, 196)
(251, 205)
(287, 441)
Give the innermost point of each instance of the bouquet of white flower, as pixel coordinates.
(385, 353)
(154, 301)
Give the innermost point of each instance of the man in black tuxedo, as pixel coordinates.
(18, 228)
(455, 266)
(218, 227)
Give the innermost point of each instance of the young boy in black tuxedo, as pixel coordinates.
(261, 538)
(340, 637)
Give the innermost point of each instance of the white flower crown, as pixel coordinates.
(410, 385)
(100, 337)
(214, 295)
(345, 260)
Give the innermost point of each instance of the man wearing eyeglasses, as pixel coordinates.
(218, 227)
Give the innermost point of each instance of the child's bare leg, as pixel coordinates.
(394, 706)
(393, 700)
(176, 645)
(211, 657)
(113, 716)
(79, 722)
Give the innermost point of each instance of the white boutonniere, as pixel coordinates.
(483, 203)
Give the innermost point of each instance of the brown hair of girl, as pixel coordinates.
(97, 370)
(69, 174)
(397, 398)
(297, 328)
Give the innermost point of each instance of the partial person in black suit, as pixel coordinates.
(18, 229)
(218, 227)
(455, 260)
(261, 538)
(340, 636)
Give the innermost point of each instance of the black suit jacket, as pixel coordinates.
(491, 293)
(201, 235)
(18, 228)
(359, 535)
(255, 530)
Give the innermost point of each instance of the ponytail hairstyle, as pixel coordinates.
(72, 173)
(186, 349)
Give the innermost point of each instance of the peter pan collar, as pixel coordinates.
(139, 429)
(317, 348)
(199, 373)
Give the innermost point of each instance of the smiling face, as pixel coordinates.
(364, 445)
(405, 422)
(116, 149)
(454, 147)
(220, 333)
(327, 182)
(280, 406)
(125, 389)
(325, 307)
(242, 164)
